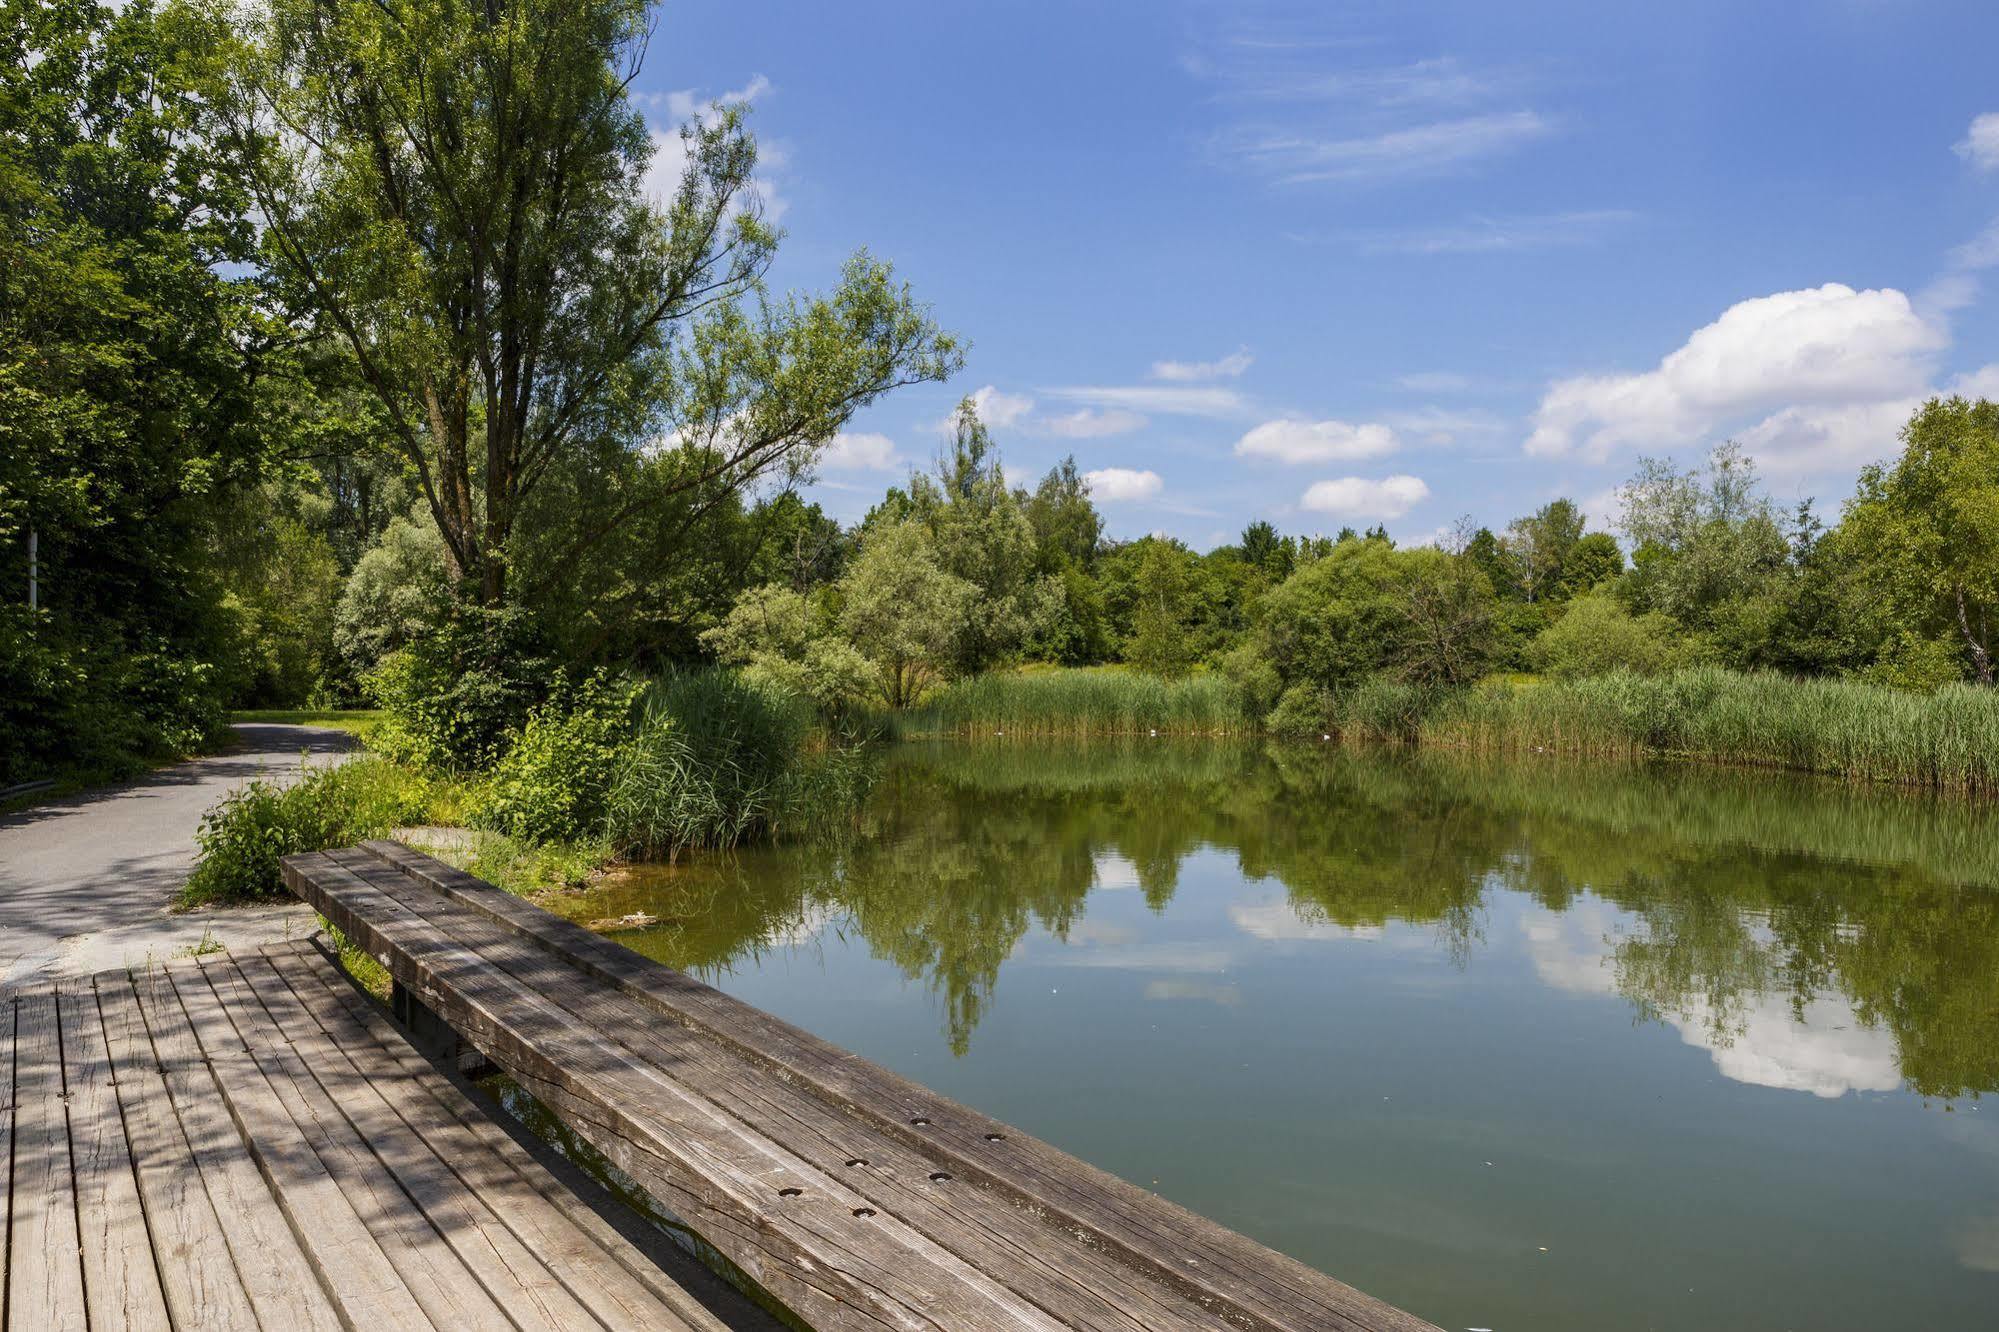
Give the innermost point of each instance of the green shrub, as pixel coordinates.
(455, 698)
(245, 835)
(1597, 635)
(1304, 712)
(552, 785)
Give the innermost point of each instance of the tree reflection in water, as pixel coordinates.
(1732, 891)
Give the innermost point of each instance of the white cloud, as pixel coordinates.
(1316, 441)
(860, 452)
(998, 410)
(1824, 347)
(1417, 150)
(1496, 235)
(1116, 485)
(1980, 145)
(1181, 372)
(1359, 497)
(1088, 423)
(669, 151)
(1277, 921)
(1437, 425)
(1166, 400)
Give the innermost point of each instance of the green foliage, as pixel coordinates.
(1947, 739)
(553, 784)
(244, 836)
(398, 588)
(1597, 635)
(782, 638)
(453, 700)
(132, 341)
(902, 611)
(719, 758)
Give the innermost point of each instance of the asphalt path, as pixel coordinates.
(87, 882)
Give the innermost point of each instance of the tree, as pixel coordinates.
(1705, 540)
(982, 535)
(132, 342)
(1067, 526)
(902, 610)
(778, 634)
(1927, 527)
(1448, 636)
(1597, 635)
(456, 191)
(1159, 640)
(1538, 547)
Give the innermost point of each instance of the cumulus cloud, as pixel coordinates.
(1980, 145)
(1823, 348)
(669, 151)
(1089, 423)
(1293, 441)
(1181, 372)
(1116, 485)
(861, 451)
(1361, 497)
(1163, 399)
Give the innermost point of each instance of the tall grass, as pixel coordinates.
(1948, 740)
(720, 758)
(1078, 703)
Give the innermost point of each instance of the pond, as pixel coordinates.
(1513, 1046)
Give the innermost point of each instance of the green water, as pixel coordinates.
(1527, 1046)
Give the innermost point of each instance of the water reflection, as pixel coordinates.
(1809, 936)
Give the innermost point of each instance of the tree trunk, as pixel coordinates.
(1981, 657)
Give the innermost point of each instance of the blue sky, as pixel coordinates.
(1377, 261)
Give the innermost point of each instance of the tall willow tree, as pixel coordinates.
(455, 191)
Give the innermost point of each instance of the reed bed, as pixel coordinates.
(1947, 740)
(1080, 703)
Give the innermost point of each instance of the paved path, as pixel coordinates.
(87, 881)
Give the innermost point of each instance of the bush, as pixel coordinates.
(553, 784)
(1598, 635)
(454, 699)
(245, 835)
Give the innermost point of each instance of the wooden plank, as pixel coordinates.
(355, 1059)
(45, 1263)
(1208, 1262)
(284, 1285)
(823, 1250)
(197, 1271)
(1047, 1266)
(319, 1173)
(499, 1271)
(121, 1279)
(7, 1127)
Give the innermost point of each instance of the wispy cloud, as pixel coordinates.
(1489, 235)
(1980, 145)
(1162, 399)
(1089, 423)
(1292, 158)
(1182, 372)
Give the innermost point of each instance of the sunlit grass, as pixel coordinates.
(355, 721)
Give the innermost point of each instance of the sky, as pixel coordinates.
(1386, 261)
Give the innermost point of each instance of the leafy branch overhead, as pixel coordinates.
(457, 193)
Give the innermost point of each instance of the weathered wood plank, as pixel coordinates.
(1207, 1262)
(355, 1057)
(7, 1006)
(1085, 1289)
(121, 1279)
(269, 1259)
(321, 1176)
(197, 1271)
(823, 1250)
(45, 1263)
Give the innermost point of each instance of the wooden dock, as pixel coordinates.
(247, 1142)
(857, 1199)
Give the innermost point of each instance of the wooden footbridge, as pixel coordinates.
(251, 1142)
